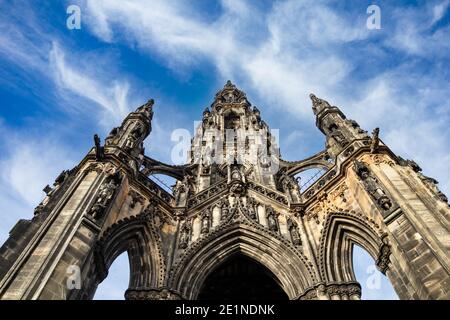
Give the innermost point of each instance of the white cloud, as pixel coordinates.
(439, 11)
(414, 30)
(112, 96)
(294, 48)
(27, 164)
(86, 81)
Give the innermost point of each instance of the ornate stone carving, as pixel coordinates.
(135, 198)
(375, 141)
(339, 138)
(271, 194)
(207, 194)
(272, 218)
(134, 137)
(185, 234)
(206, 221)
(110, 139)
(104, 196)
(99, 150)
(347, 289)
(151, 294)
(339, 192)
(224, 209)
(293, 230)
(381, 158)
(372, 186)
(252, 208)
(383, 260)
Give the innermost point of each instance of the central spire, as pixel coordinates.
(229, 95)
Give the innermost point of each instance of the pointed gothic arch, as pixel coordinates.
(341, 231)
(292, 270)
(137, 237)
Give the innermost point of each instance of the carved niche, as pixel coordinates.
(372, 186)
(105, 195)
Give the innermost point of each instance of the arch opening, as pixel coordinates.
(307, 177)
(116, 283)
(241, 277)
(374, 284)
(165, 181)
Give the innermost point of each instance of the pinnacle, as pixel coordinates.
(318, 103)
(229, 84)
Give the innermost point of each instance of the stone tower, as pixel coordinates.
(236, 212)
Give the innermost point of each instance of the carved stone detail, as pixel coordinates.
(105, 195)
(372, 185)
(151, 294)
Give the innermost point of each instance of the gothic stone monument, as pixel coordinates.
(237, 223)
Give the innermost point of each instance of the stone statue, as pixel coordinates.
(251, 207)
(372, 186)
(185, 234)
(206, 218)
(375, 140)
(105, 194)
(134, 136)
(224, 211)
(99, 151)
(293, 230)
(236, 173)
(271, 219)
(178, 189)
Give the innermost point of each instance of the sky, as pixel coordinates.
(59, 86)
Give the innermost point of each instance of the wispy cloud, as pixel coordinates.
(28, 163)
(84, 80)
(297, 47)
(111, 96)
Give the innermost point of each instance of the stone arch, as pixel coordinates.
(137, 237)
(317, 161)
(152, 166)
(288, 265)
(340, 232)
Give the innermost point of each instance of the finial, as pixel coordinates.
(147, 109)
(206, 111)
(99, 150)
(229, 85)
(318, 104)
(375, 140)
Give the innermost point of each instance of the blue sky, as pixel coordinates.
(58, 86)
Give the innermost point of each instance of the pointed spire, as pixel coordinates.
(318, 104)
(229, 85)
(147, 108)
(206, 111)
(230, 94)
